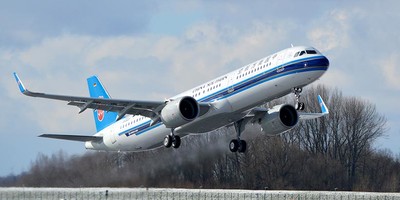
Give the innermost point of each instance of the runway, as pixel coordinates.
(184, 194)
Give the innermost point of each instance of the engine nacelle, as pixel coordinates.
(179, 112)
(279, 119)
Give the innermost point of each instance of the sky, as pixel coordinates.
(152, 50)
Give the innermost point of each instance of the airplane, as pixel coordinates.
(234, 99)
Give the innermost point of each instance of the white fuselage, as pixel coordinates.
(231, 96)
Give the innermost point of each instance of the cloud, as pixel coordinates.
(336, 78)
(390, 70)
(333, 32)
(26, 22)
(55, 51)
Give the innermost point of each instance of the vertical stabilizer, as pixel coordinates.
(101, 117)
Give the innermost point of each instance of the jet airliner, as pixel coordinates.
(234, 99)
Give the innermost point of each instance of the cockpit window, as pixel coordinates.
(300, 53)
(311, 52)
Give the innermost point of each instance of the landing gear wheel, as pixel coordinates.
(176, 142)
(168, 141)
(234, 145)
(237, 146)
(242, 146)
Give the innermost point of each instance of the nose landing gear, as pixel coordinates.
(299, 105)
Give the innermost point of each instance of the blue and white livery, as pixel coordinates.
(229, 100)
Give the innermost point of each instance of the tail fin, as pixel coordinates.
(101, 117)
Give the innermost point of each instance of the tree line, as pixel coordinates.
(331, 153)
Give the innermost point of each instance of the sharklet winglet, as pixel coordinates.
(20, 84)
(321, 102)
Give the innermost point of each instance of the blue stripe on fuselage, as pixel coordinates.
(139, 129)
(313, 64)
(297, 66)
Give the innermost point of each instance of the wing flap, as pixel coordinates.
(79, 138)
(307, 116)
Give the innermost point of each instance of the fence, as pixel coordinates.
(184, 194)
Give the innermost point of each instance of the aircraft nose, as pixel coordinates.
(324, 62)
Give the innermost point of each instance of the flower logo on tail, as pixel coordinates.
(100, 115)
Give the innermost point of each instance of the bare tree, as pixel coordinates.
(346, 133)
(362, 125)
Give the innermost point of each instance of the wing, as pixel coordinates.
(80, 138)
(324, 111)
(149, 109)
(145, 108)
(257, 113)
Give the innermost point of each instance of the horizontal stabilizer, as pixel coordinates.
(80, 138)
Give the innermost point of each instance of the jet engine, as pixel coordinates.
(279, 119)
(179, 112)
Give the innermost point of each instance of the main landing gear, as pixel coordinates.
(238, 145)
(172, 140)
(299, 105)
